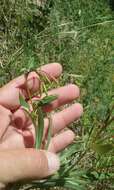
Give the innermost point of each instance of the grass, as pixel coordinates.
(79, 35)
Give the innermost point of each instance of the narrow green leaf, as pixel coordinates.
(45, 89)
(23, 103)
(40, 128)
(49, 132)
(47, 100)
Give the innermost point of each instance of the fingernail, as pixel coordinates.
(53, 162)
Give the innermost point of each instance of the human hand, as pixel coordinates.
(18, 159)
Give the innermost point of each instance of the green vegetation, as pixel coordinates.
(80, 35)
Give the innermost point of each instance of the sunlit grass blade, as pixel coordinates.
(23, 103)
(44, 76)
(40, 129)
(44, 89)
(48, 77)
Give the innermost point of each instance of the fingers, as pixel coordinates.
(5, 120)
(61, 141)
(25, 164)
(63, 118)
(26, 137)
(65, 95)
(9, 94)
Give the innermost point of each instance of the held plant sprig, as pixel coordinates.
(35, 111)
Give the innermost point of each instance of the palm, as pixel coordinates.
(19, 131)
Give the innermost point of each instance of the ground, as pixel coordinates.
(78, 34)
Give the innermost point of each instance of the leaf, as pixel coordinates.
(47, 100)
(23, 103)
(102, 149)
(49, 133)
(40, 129)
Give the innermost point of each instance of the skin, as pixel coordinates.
(18, 159)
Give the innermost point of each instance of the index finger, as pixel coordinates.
(9, 94)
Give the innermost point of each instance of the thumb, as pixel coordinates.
(26, 164)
